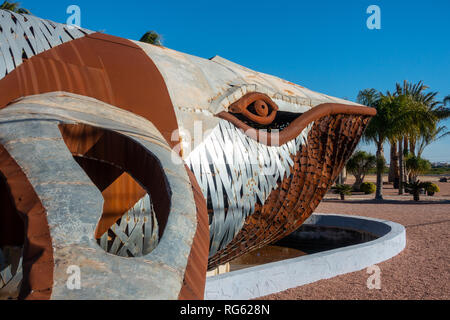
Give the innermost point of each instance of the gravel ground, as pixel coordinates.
(421, 271)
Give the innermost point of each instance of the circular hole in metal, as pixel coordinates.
(133, 185)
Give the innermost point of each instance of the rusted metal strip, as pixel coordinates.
(108, 68)
(38, 251)
(11, 225)
(119, 197)
(195, 274)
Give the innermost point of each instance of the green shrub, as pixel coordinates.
(343, 190)
(431, 188)
(415, 188)
(416, 166)
(368, 187)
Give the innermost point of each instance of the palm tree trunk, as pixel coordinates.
(401, 170)
(405, 145)
(406, 177)
(342, 176)
(396, 168)
(393, 165)
(412, 146)
(412, 149)
(379, 193)
(358, 181)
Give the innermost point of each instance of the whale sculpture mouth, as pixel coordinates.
(288, 125)
(259, 163)
(281, 121)
(307, 165)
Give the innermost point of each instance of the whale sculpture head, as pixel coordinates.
(176, 162)
(263, 150)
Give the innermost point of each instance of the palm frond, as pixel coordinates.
(14, 7)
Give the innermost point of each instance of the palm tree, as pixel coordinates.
(436, 109)
(416, 93)
(369, 97)
(431, 136)
(417, 119)
(416, 165)
(415, 188)
(420, 134)
(397, 115)
(152, 37)
(342, 190)
(408, 116)
(359, 164)
(377, 131)
(446, 100)
(14, 7)
(393, 163)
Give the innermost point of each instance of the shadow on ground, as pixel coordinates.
(387, 201)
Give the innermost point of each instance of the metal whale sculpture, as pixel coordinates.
(138, 168)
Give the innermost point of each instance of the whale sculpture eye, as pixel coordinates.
(261, 108)
(258, 111)
(256, 107)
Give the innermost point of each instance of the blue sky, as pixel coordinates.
(322, 45)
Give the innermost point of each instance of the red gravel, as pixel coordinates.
(421, 271)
